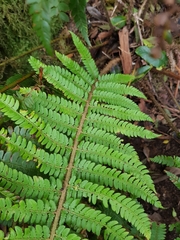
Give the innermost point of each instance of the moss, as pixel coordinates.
(17, 36)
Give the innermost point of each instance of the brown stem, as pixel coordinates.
(11, 85)
(41, 46)
(167, 73)
(107, 15)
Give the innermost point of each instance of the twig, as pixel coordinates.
(110, 64)
(168, 120)
(41, 46)
(11, 85)
(172, 96)
(107, 15)
(25, 53)
(130, 13)
(137, 19)
(173, 110)
(167, 73)
(143, 9)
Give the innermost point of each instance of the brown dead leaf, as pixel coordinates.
(111, 64)
(146, 152)
(93, 32)
(104, 35)
(142, 105)
(70, 55)
(125, 52)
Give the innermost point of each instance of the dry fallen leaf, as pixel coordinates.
(104, 35)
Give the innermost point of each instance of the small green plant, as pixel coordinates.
(145, 53)
(65, 174)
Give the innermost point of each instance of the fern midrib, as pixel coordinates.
(71, 162)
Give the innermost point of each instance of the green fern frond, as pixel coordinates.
(121, 113)
(119, 89)
(75, 68)
(114, 125)
(23, 185)
(80, 161)
(31, 232)
(174, 179)
(114, 99)
(171, 161)
(92, 220)
(7, 194)
(158, 231)
(49, 163)
(28, 211)
(32, 121)
(117, 78)
(78, 8)
(86, 57)
(42, 12)
(114, 178)
(13, 160)
(107, 156)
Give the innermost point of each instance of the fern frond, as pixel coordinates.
(174, 179)
(23, 185)
(41, 16)
(64, 232)
(119, 203)
(121, 113)
(113, 231)
(78, 8)
(52, 102)
(100, 136)
(158, 231)
(80, 161)
(114, 99)
(14, 160)
(100, 154)
(34, 233)
(28, 211)
(47, 136)
(50, 163)
(93, 220)
(113, 178)
(171, 161)
(75, 68)
(118, 88)
(7, 194)
(42, 12)
(117, 78)
(40, 232)
(110, 124)
(86, 57)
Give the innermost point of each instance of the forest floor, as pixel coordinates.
(118, 55)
